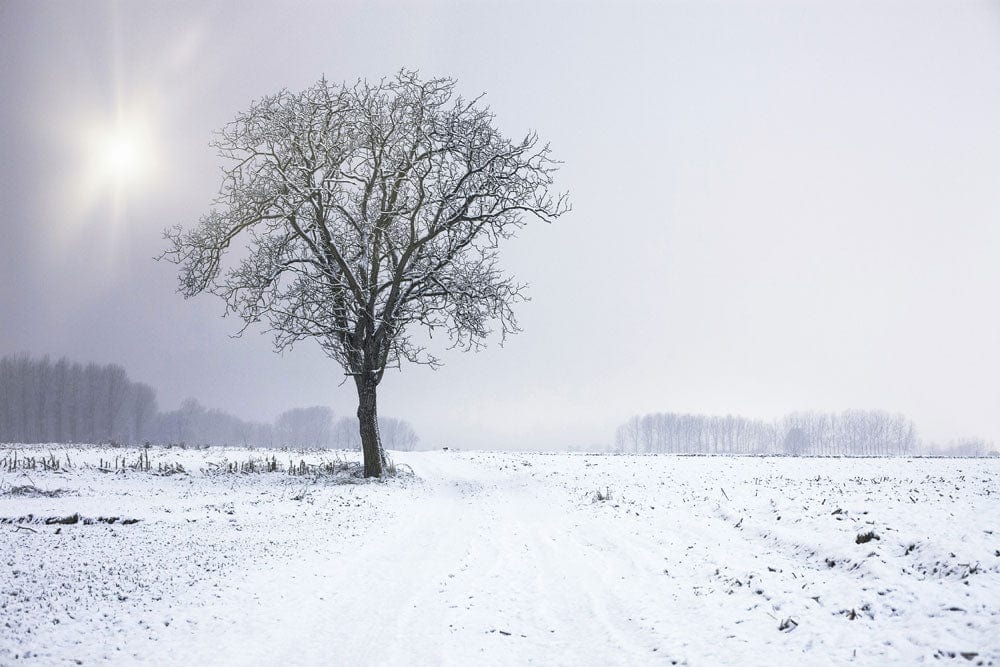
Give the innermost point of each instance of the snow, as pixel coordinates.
(500, 558)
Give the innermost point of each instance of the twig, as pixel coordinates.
(25, 528)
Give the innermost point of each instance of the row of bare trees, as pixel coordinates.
(62, 401)
(302, 428)
(962, 447)
(849, 433)
(66, 402)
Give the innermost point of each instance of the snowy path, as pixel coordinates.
(470, 571)
(497, 564)
(507, 559)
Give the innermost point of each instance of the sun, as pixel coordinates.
(118, 164)
(121, 157)
(124, 155)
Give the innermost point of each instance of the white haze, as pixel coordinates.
(778, 206)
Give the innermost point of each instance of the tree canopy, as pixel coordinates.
(363, 211)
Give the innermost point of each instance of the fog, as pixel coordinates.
(778, 207)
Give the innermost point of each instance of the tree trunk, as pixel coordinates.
(371, 445)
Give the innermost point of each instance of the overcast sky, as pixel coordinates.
(777, 205)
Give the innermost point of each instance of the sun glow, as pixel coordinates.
(116, 153)
(118, 163)
(122, 155)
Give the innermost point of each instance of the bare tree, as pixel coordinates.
(365, 209)
(345, 434)
(306, 427)
(397, 434)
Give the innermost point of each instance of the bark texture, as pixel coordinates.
(371, 443)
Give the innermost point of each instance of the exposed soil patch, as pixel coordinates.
(67, 520)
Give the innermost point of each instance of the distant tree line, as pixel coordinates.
(849, 433)
(43, 401)
(962, 447)
(300, 428)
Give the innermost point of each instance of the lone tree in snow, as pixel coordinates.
(363, 211)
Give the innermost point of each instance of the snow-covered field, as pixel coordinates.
(501, 558)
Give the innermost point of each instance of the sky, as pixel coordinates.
(778, 206)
